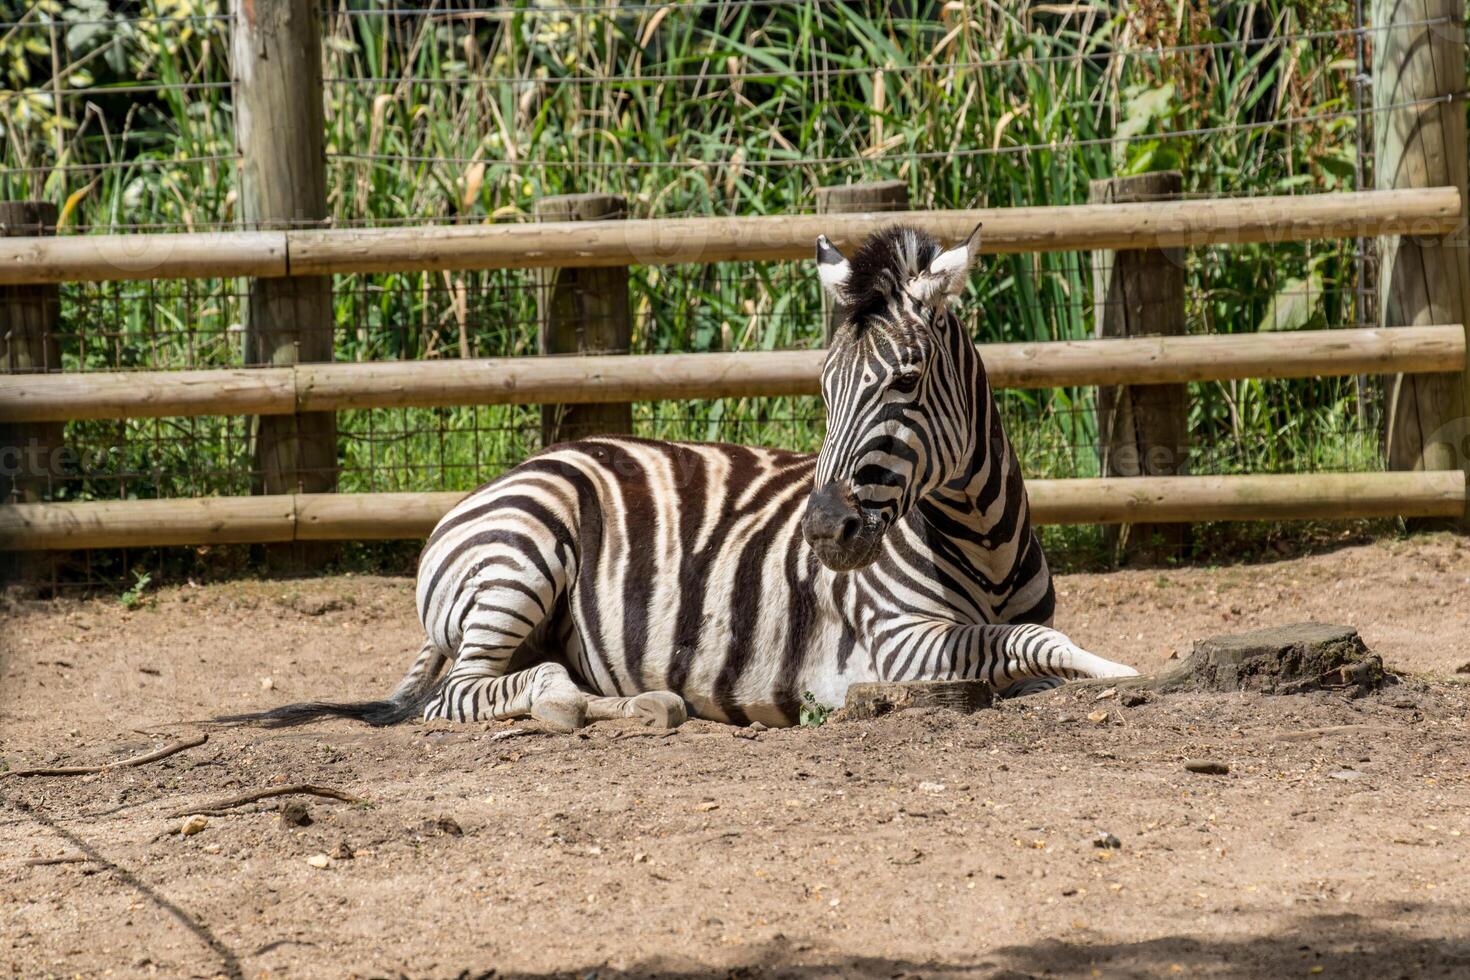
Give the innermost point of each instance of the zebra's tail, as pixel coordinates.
(416, 689)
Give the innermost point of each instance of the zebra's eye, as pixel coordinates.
(906, 380)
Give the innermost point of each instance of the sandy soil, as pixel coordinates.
(928, 844)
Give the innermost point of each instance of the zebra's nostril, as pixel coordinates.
(831, 517)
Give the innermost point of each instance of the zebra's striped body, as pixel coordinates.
(668, 566)
(597, 574)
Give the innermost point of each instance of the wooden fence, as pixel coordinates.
(284, 518)
(661, 377)
(1428, 212)
(1419, 214)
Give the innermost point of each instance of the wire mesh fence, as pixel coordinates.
(1240, 426)
(442, 112)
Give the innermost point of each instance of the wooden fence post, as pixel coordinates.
(1419, 80)
(1142, 430)
(882, 195)
(584, 311)
(29, 318)
(276, 57)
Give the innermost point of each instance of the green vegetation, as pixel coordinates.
(133, 597)
(812, 713)
(694, 108)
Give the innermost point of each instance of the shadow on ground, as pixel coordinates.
(1361, 946)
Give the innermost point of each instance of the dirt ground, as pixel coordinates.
(926, 844)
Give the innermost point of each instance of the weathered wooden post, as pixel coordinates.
(584, 311)
(1419, 80)
(1142, 430)
(882, 195)
(276, 58)
(29, 343)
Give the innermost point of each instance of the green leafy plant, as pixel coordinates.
(133, 597)
(812, 713)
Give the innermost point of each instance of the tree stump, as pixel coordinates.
(1291, 659)
(1287, 660)
(874, 699)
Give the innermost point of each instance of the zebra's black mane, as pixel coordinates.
(881, 265)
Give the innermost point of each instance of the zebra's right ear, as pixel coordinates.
(948, 272)
(832, 267)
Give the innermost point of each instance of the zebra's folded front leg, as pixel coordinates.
(656, 709)
(473, 692)
(1033, 651)
(1004, 656)
(1020, 659)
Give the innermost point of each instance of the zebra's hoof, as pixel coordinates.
(560, 716)
(659, 709)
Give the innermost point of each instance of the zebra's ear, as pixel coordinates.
(832, 267)
(947, 274)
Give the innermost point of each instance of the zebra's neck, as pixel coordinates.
(989, 484)
(980, 519)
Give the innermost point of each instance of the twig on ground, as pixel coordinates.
(622, 733)
(512, 733)
(61, 859)
(216, 807)
(137, 760)
(1312, 734)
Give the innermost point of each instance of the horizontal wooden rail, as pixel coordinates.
(654, 377)
(1283, 497)
(328, 517)
(662, 241)
(102, 258)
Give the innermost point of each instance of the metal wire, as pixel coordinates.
(124, 164)
(840, 72)
(48, 22)
(100, 90)
(119, 21)
(655, 79)
(975, 151)
(551, 9)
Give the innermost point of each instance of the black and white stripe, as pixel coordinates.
(596, 576)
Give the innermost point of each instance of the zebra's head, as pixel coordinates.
(898, 385)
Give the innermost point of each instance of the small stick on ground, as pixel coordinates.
(216, 807)
(62, 859)
(512, 733)
(137, 760)
(1312, 734)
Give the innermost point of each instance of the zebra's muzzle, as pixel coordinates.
(838, 531)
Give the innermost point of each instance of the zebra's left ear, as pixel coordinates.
(832, 267)
(947, 274)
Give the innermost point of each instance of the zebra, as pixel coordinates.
(617, 577)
